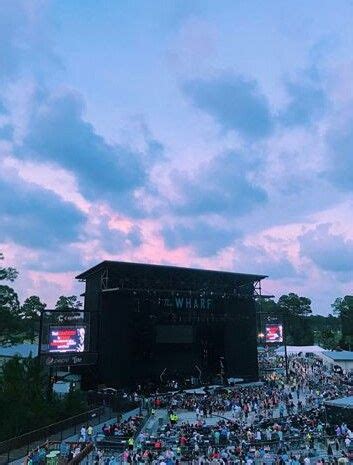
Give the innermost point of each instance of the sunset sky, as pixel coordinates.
(211, 134)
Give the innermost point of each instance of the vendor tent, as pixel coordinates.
(300, 350)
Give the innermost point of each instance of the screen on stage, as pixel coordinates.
(274, 333)
(67, 339)
(174, 334)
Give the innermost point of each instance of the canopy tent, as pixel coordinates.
(340, 411)
(304, 350)
(343, 402)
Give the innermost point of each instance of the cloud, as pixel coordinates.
(58, 133)
(257, 259)
(224, 185)
(12, 22)
(340, 156)
(307, 102)
(66, 258)
(25, 45)
(3, 109)
(330, 252)
(6, 132)
(114, 241)
(36, 218)
(205, 238)
(234, 102)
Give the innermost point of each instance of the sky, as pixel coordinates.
(210, 134)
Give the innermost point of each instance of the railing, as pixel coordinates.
(291, 443)
(18, 447)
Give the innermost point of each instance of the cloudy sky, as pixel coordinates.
(212, 134)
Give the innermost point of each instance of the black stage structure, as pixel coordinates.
(154, 323)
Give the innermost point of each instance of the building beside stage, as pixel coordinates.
(157, 323)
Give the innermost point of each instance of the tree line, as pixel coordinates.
(301, 327)
(26, 400)
(20, 322)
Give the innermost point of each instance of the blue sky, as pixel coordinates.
(196, 133)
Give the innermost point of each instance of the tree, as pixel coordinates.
(30, 315)
(9, 299)
(343, 307)
(9, 306)
(16, 323)
(24, 404)
(295, 311)
(10, 325)
(32, 308)
(268, 306)
(295, 305)
(329, 339)
(68, 303)
(7, 274)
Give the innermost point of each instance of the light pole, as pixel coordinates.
(284, 329)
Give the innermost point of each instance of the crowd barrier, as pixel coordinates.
(292, 443)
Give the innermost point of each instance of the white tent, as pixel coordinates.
(302, 350)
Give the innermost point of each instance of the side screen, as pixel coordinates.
(67, 339)
(274, 333)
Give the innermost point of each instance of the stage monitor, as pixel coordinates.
(64, 339)
(174, 334)
(274, 333)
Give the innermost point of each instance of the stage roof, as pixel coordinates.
(125, 267)
(145, 277)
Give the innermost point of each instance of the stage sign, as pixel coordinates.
(64, 339)
(274, 333)
(56, 360)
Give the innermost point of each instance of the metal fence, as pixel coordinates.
(18, 447)
(316, 446)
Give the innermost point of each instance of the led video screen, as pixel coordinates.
(274, 333)
(67, 339)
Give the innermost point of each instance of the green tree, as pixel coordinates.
(24, 403)
(68, 303)
(7, 274)
(32, 308)
(295, 305)
(343, 307)
(10, 324)
(9, 306)
(30, 315)
(329, 339)
(295, 311)
(69, 306)
(268, 306)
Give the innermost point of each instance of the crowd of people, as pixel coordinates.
(279, 421)
(276, 422)
(123, 428)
